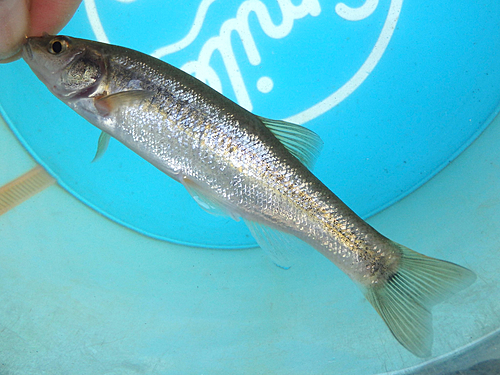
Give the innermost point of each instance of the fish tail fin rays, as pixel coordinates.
(406, 298)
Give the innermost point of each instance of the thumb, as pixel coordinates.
(14, 16)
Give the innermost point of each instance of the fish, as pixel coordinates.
(245, 166)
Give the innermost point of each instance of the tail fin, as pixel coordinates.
(405, 300)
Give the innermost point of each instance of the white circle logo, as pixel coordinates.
(240, 24)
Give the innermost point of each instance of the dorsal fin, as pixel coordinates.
(302, 143)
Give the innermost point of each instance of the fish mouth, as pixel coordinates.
(27, 52)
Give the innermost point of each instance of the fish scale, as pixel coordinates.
(238, 164)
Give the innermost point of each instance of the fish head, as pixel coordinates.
(67, 66)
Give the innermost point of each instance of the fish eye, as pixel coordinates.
(57, 46)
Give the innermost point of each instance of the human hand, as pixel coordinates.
(21, 18)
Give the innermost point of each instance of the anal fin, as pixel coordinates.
(281, 247)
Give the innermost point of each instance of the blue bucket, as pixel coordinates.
(395, 92)
(398, 90)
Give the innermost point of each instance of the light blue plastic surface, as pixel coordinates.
(396, 89)
(82, 295)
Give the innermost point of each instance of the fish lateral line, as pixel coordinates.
(234, 162)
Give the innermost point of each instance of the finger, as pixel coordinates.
(13, 26)
(50, 16)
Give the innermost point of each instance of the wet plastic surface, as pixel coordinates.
(84, 295)
(395, 89)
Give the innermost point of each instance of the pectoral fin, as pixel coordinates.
(102, 145)
(105, 105)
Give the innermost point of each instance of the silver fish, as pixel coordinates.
(236, 163)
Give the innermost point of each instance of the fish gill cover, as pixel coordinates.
(393, 89)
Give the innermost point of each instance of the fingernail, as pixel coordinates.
(13, 27)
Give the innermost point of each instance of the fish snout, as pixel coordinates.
(27, 52)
